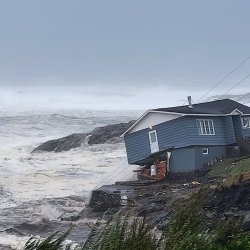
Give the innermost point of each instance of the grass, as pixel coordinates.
(189, 227)
(188, 230)
(54, 242)
(230, 167)
(231, 172)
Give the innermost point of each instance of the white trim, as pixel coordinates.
(141, 118)
(165, 112)
(183, 114)
(175, 113)
(202, 126)
(154, 146)
(236, 110)
(206, 153)
(248, 122)
(135, 123)
(153, 132)
(153, 119)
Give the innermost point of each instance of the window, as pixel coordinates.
(153, 136)
(205, 151)
(205, 126)
(246, 122)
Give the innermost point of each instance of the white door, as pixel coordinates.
(154, 146)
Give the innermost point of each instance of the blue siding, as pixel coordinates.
(183, 132)
(137, 146)
(246, 132)
(182, 160)
(237, 126)
(229, 130)
(191, 159)
(179, 133)
(240, 132)
(213, 152)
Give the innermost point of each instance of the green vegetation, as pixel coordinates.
(231, 172)
(53, 242)
(121, 233)
(190, 227)
(230, 167)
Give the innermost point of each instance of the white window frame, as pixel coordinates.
(205, 126)
(205, 153)
(150, 139)
(248, 122)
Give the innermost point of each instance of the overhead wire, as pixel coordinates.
(234, 86)
(107, 179)
(119, 173)
(242, 97)
(226, 76)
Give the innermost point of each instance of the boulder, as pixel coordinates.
(109, 133)
(100, 135)
(62, 144)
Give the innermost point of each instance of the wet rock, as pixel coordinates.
(4, 247)
(38, 228)
(13, 231)
(102, 200)
(106, 134)
(237, 197)
(70, 217)
(62, 144)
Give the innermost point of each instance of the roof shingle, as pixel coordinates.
(224, 106)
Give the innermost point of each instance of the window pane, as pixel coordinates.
(211, 125)
(207, 127)
(205, 151)
(245, 122)
(203, 127)
(199, 127)
(153, 137)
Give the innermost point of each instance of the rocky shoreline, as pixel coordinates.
(158, 201)
(100, 135)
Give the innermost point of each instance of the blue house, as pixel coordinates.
(194, 135)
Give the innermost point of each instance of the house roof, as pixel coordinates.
(218, 107)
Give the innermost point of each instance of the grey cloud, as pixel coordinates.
(122, 48)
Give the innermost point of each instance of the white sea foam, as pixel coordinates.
(13, 241)
(26, 177)
(49, 212)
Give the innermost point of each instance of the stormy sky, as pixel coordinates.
(114, 54)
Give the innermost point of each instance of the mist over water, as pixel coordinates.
(36, 188)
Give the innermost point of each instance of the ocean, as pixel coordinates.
(38, 188)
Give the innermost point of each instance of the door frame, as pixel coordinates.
(150, 141)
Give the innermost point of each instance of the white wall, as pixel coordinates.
(153, 118)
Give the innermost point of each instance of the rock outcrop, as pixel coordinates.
(62, 144)
(109, 133)
(100, 135)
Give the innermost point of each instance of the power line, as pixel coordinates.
(218, 83)
(109, 177)
(184, 103)
(106, 178)
(242, 97)
(237, 84)
(113, 177)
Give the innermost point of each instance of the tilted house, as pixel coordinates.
(196, 135)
